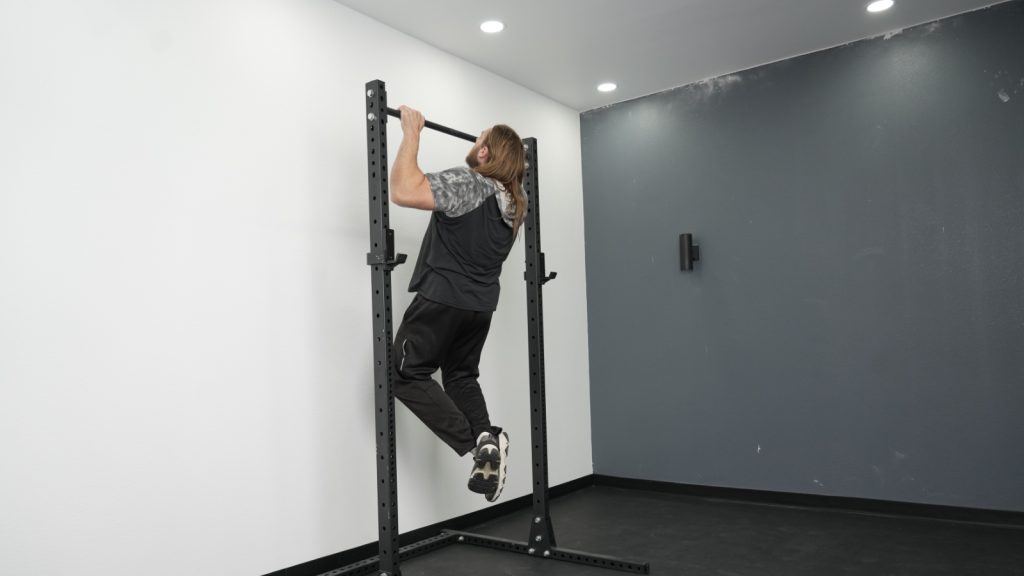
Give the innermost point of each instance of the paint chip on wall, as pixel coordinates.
(718, 84)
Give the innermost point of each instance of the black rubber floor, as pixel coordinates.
(685, 535)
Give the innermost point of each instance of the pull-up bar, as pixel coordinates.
(437, 127)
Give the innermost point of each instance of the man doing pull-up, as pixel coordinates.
(477, 212)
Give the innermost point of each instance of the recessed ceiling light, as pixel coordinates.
(880, 6)
(606, 87)
(492, 26)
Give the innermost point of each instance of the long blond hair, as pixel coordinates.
(507, 164)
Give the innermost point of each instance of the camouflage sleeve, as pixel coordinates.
(458, 191)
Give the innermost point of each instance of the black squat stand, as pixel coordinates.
(382, 259)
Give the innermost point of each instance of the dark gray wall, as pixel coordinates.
(856, 327)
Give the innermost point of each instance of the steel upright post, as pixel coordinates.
(542, 534)
(382, 259)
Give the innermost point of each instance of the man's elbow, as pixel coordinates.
(400, 192)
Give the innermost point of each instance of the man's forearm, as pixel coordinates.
(406, 173)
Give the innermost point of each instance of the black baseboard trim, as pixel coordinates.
(1000, 518)
(351, 556)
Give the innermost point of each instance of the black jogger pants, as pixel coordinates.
(433, 336)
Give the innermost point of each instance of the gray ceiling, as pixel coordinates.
(564, 48)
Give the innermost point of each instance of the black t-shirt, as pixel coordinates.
(467, 241)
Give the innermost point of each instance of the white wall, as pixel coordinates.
(185, 352)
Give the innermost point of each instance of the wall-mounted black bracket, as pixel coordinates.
(688, 252)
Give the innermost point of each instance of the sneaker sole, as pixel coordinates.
(502, 469)
(492, 457)
(481, 486)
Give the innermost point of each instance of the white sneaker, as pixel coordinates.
(490, 465)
